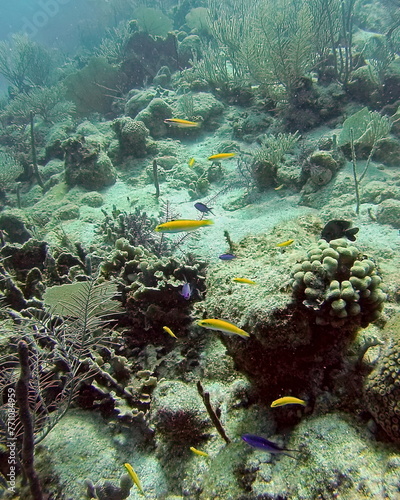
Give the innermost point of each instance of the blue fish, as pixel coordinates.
(186, 291)
(203, 208)
(265, 445)
(227, 256)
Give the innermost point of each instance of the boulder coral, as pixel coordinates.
(132, 136)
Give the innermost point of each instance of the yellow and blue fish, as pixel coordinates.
(180, 225)
(222, 326)
(178, 122)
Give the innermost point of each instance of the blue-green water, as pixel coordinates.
(199, 239)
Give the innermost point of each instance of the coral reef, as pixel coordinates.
(382, 386)
(132, 136)
(337, 286)
(87, 165)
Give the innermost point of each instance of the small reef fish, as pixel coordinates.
(191, 162)
(221, 156)
(288, 400)
(199, 452)
(222, 326)
(285, 243)
(244, 280)
(227, 256)
(335, 229)
(279, 187)
(169, 331)
(177, 226)
(178, 122)
(265, 445)
(203, 208)
(134, 477)
(186, 291)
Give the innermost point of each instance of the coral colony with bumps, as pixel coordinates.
(199, 251)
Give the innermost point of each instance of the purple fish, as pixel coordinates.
(202, 208)
(227, 256)
(186, 291)
(265, 445)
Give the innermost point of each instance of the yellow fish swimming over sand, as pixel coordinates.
(177, 226)
(134, 477)
(288, 400)
(244, 280)
(222, 326)
(221, 156)
(285, 243)
(178, 122)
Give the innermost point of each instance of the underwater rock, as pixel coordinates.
(177, 412)
(188, 46)
(387, 151)
(382, 386)
(138, 100)
(68, 212)
(163, 77)
(153, 117)
(388, 212)
(13, 223)
(292, 345)
(132, 136)
(92, 199)
(87, 165)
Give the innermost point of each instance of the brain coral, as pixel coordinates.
(338, 284)
(382, 386)
(132, 136)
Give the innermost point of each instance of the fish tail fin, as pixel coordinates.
(208, 222)
(350, 233)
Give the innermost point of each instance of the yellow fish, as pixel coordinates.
(168, 330)
(178, 122)
(288, 400)
(244, 280)
(279, 187)
(134, 477)
(222, 326)
(221, 156)
(177, 226)
(285, 243)
(191, 162)
(199, 452)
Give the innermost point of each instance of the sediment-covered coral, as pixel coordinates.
(337, 286)
(87, 165)
(382, 386)
(132, 136)
(178, 413)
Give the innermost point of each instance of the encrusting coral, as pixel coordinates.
(382, 386)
